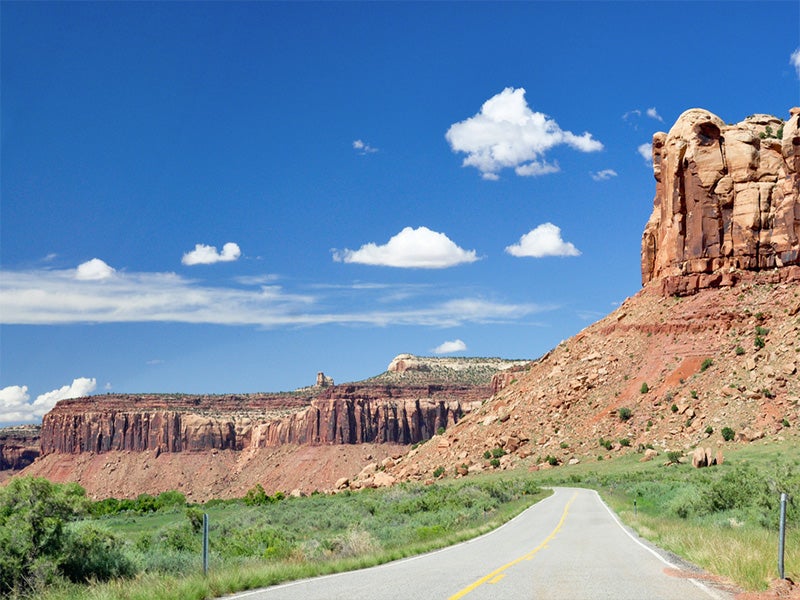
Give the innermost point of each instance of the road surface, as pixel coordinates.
(567, 547)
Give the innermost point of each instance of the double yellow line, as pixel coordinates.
(498, 574)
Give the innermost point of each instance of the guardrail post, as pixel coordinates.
(205, 544)
(782, 536)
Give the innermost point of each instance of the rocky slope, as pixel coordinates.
(712, 341)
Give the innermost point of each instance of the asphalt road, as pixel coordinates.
(569, 546)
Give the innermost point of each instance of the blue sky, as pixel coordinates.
(230, 197)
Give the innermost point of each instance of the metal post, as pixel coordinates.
(782, 536)
(205, 544)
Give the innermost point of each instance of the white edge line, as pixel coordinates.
(698, 583)
(280, 586)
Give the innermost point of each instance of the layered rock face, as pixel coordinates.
(19, 446)
(345, 414)
(727, 202)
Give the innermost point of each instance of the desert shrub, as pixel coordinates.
(498, 452)
(487, 455)
(551, 460)
(170, 499)
(762, 331)
(438, 472)
(645, 388)
(440, 431)
(728, 434)
(92, 553)
(693, 394)
(495, 462)
(607, 444)
(739, 350)
(625, 442)
(785, 423)
(564, 445)
(624, 413)
(674, 456)
(759, 342)
(674, 408)
(706, 363)
(709, 430)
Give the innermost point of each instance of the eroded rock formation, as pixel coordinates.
(344, 414)
(727, 202)
(19, 446)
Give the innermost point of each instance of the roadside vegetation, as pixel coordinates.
(55, 544)
(722, 518)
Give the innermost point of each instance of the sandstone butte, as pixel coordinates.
(712, 340)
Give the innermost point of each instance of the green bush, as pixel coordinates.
(709, 430)
(625, 442)
(495, 462)
(438, 472)
(739, 350)
(645, 388)
(759, 342)
(624, 413)
(674, 456)
(498, 452)
(706, 363)
(487, 455)
(728, 434)
(440, 431)
(92, 553)
(33, 517)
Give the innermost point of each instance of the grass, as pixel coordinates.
(723, 519)
(256, 546)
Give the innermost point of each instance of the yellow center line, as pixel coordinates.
(497, 572)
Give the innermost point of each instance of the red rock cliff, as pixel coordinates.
(344, 414)
(727, 201)
(19, 446)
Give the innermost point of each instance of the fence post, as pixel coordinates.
(205, 544)
(782, 536)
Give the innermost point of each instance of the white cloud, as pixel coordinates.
(631, 114)
(544, 240)
(93, 270)
(506, 133)
(363, 148)
(795, 60)
(15, 406)
(604, 174)
(50, 297)
(653, 114)
(411, 248)
(450, 347)
(208, 255)
(646, 152)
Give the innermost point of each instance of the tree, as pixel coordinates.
(33, 514)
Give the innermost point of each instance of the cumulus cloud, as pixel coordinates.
(208, 255)
(506, 133)
(544, 240)
(604, 174)
(50, 297)
(653, 114)
(450, 347)
(646, 152)
(411, 248)
(15, 406)
(94, 270)
(794, 59)
(363, 148)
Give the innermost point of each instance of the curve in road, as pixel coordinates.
(569, 546)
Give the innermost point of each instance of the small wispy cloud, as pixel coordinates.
(506, 133)
(450, 347)
(419, 248)
(646, 152)
(363, 148)
(604, 175)
(794, 59)
(544, 240)
(653, 114)
(208, 255)
(15, 405)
